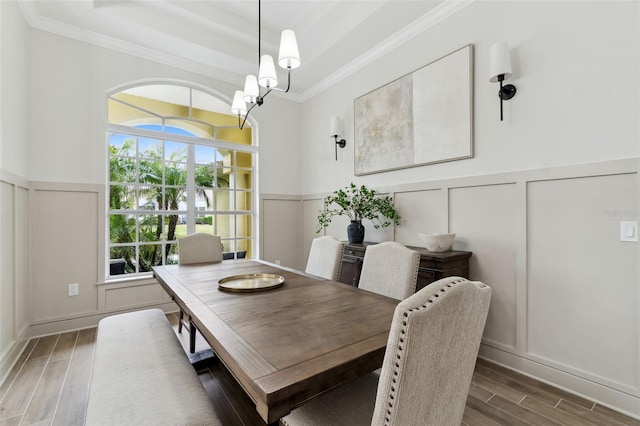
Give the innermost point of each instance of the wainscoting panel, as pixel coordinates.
(310, 210)
(22, 313)
(484, 220)
(65, 249)
(582, 280)
(566, 301)
(14, 268)
(7, 266)
(421, 212)
(280, 221)
(118, 297)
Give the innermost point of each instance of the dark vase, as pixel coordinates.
(355, 232)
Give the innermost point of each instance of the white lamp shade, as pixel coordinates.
(267, 75)
(238, 107)
(499, 62)
(336, 127)
(251, 89)
(289, 56)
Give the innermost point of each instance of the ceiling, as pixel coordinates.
(219, 38)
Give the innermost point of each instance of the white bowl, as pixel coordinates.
(437, 242)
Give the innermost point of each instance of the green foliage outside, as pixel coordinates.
(153, 227)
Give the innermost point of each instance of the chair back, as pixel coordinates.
(199, 248)
(431, 353)
(390, 269)
(325, 258)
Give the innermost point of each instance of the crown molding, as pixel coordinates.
(438, 14)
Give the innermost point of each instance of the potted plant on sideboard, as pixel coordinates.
(357, 203)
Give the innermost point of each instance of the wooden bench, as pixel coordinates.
(141, 375)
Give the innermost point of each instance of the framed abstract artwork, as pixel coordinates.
(424, 117)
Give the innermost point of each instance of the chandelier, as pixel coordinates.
(288, 58)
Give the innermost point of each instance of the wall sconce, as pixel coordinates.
(500, 70)
(335, 132)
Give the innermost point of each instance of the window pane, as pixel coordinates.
(172, 227)
(225, 225)
(243, 179)
(175, 151)
(172, 255)
(244, 226)
(122, 169)
(122, 228)
(122, 197)
(228, 246)
(123, 113)
(191, 128)
(175, 174)
(244, 200)
(150, 148)
(207, 155)
(224, 200)
(205, 175)
(122, 145)
(119, 258)
(150, 171)
(150, 197)
(205, 223)
(175, 198)
(150, 255)
(149, 227)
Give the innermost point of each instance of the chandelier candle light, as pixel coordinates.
(288, 58)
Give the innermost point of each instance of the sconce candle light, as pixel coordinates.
(500, 70)
(335, 132)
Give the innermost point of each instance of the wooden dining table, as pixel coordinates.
(288, 344)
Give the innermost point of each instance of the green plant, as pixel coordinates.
(358, 203)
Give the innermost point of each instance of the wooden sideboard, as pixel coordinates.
(433, 265)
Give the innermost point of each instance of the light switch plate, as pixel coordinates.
(629, 231)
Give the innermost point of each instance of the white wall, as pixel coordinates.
(13, 85)
(68, 82)
(535, 203)
(571, 107)
(14, 189)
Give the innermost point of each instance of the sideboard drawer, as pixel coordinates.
(433, 266)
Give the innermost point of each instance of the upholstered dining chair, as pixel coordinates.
(325, 257)
(390, 269)
(197, 248)
(427, 369)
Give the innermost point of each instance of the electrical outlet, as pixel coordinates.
(74, 289)
(629, 231)
(277, 262)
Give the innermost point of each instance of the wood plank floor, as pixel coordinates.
(49, 386)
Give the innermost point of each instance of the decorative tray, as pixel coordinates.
(250, 282)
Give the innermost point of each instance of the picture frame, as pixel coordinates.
(421, 118)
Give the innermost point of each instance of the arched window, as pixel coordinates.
(178, 164)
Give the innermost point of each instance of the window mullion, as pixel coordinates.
(191, 189)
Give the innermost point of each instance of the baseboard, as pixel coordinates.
(10, 357)
(88, 321)
(603, 395)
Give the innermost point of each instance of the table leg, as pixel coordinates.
(192, 336)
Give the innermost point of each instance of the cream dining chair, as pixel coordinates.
(197, 248)
(325, 258)
(390, 269)
(428, 364)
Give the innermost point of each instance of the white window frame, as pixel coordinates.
(191, 211)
